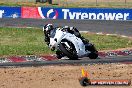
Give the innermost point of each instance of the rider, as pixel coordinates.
(48, 27)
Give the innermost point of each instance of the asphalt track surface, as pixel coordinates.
(111, 27)
(81, 61)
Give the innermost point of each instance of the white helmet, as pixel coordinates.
(48, 27)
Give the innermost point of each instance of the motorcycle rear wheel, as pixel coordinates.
(94, 52)
(93, 55)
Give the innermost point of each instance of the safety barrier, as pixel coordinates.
(66, 13)
(10, 12)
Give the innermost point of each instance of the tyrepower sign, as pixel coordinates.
(77, 13)
(10, 12)
(96, 14)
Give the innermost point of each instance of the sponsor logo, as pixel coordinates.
(111, 82)
(75, 13)
(50, 14)
(10, 12)
(1, 13)
(94, 16)
(86, 81)
(14, 15)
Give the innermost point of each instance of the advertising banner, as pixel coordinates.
(66, 13)
(10, 12)
(30, 12)
(77, 13)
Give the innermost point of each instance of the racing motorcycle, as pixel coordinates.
(71, 46)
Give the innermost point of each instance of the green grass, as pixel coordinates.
(29, 41)
(16, 41)
(69, 4)
(108, 42)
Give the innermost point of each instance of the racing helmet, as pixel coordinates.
(47, 28)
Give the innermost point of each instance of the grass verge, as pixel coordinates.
(29, 41)
(70, 3)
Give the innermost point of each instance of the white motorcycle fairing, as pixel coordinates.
(57, 35)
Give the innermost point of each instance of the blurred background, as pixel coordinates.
(70, 3)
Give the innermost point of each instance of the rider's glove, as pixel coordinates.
(51, 48)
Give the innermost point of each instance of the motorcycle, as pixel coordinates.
(71, 46)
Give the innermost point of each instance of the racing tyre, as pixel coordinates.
(93, 55)
(70, 52)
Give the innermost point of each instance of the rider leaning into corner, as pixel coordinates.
(47, 29)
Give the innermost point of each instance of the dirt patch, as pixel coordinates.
(61, 76)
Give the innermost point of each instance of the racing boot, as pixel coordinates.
(90, 47)
(85, 41)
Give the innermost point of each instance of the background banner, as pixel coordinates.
(77, 13)
(10, 12)
(66, 13)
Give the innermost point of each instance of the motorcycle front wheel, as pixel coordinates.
(70, 52)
